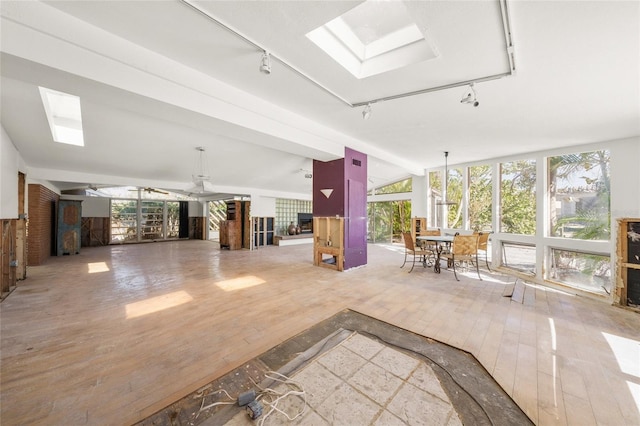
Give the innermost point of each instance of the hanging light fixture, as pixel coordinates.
(445, 194)
(201, 178)
(265, 63)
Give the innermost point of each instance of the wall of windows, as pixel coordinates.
(144, 220)
(550, 212)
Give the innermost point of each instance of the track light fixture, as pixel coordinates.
(265, 63)
(366, 112)
(470, 97)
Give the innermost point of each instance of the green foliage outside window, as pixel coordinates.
(397, 187)
(582, 182)
(480, 198)
(387, 219)
(518, 196)
(454, 195)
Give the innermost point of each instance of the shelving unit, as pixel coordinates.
(69, 227)
(627, 291)
(328, 242)
(232, 229)
(262, 231)
(418, 226)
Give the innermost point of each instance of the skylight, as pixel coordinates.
(372, 38)
(64, 116)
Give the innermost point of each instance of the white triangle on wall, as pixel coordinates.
(327, 192)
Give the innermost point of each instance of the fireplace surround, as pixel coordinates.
(305, 221)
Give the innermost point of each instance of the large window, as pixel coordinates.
(173, 219)
(387, 219)
(435, 197)
(152, 220)
(454, 197)
(480, 198)
(144, 220)
(521, 257)
(405, 185)
(518, 197)
(587, 271)
(579, 188)
(124, 221)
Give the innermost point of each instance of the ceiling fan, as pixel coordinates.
(149, 190)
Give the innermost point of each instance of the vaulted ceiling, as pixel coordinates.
(157, 79)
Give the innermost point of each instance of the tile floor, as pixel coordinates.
(117, 333)
(360, 382)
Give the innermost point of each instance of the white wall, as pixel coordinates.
(262, 206)
(197, 209)
(625, 179)
(91, 206)
(9, 160)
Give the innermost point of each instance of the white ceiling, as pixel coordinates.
(158, 78)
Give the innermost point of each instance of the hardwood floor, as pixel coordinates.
(116, 333)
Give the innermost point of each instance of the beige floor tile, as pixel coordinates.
(425, 379)
(395, 362)
(346, 406)
(375, 382)
(363, 346)
(319, 383)
(342, 362)
(388, 419)
(416, 407)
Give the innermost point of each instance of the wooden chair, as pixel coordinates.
(430, 246)
(483, 239)
(464, 249)
(411, 249)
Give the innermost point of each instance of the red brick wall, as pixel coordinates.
(42, 204)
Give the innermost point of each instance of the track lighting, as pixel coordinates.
(265, 63)
(470, 97)
(366, 112)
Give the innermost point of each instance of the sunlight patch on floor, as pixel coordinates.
(156, 304)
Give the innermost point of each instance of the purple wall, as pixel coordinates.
(348, 179)
(355, 200)
(328, 175)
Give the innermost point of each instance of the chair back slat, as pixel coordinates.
(408, 241)
(465, 245)
(483, 239)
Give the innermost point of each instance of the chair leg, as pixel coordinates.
(486, 260)
(455, 274)
(478, 267)
(405, 259)
(414, 263)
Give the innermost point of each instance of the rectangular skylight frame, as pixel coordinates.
(403, 44)
(64, 115)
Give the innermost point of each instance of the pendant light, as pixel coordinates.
(445, 194)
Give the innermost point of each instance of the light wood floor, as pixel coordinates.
(116, 333)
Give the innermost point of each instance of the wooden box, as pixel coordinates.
(328, 242)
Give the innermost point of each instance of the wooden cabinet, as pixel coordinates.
(627, 291)
(328, 242)
(262, 231)
(418, 226)
(69, 227)
(234, 232)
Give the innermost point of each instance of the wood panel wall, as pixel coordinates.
(41, 227)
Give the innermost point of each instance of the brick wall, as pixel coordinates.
(40, 228)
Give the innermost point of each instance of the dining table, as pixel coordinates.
(441, 242)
